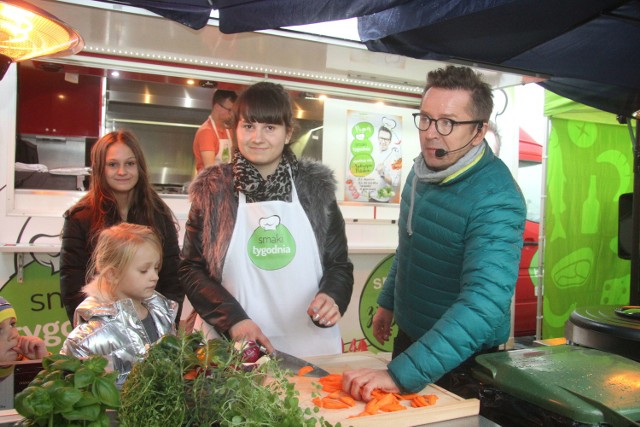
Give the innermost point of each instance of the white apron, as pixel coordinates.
(273, 269)
(224, 145)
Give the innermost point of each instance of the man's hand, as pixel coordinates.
(361, 382)
(248, 330)
(382, 321)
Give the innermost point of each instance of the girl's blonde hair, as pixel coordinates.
(116, 248)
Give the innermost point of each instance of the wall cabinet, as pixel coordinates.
(50, 105)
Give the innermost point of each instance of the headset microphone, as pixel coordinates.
(441, 152)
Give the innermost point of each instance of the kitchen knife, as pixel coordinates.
(292, 363)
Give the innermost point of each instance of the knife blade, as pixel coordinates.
(293, 363)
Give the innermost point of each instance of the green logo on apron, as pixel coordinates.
(271, 246)
(225, 157)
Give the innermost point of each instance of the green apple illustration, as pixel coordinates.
(271, 245)
(362, 163)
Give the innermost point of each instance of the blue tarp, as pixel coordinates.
(588, 50)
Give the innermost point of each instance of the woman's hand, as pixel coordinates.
(382, 321)
(361, 382)
(31, 347)
(324, 310)
(248, 330)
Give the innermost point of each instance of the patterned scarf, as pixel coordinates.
(277, 186)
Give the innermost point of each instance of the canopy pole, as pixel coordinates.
(539, 275)
(634, 285)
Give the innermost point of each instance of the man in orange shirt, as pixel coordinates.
(212, 143)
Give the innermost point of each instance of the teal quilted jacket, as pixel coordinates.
(455, 270)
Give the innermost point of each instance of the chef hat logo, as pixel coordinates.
(6, 310)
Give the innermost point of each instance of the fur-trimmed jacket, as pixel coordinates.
(208, 231)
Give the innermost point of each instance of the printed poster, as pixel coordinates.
(374, 157)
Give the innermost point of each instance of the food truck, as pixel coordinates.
(156, 77)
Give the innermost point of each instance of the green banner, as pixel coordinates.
(589, 166)
(38, 305)
(369, 304)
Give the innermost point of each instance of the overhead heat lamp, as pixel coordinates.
(28, 32)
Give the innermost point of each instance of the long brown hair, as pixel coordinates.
(145, 203)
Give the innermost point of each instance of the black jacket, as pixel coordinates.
(210, 225)
(78, 245)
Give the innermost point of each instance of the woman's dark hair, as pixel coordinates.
(145, 203)
(264, 102)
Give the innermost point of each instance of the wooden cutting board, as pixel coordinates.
(448, 406)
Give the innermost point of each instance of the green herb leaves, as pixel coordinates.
(69, 392)
(189, 381)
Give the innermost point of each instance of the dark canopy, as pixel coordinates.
(587, 49)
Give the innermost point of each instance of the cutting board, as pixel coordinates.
(448, 406)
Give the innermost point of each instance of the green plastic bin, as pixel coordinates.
(587, 386)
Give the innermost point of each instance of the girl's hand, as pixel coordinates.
(31, 347)
(324, 310)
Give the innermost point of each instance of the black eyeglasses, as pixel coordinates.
(443, 126)
(228, 109)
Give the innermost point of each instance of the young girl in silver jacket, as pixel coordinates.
(122, 313)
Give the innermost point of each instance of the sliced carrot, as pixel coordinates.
(406, 396)
(317, 401)
(361, 414)
(393, 407)
(372, 407)
(418, 402)
(336, 394)
(330, 388)
(431, 399)
(330, 378)
(348, 400)
(305, 370)
(387, 399)
(333, 404)
(378, 393)
(191, 374)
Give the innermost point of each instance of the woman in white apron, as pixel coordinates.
(265, 249)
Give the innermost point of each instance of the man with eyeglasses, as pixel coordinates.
(462, 216)
(212, 143)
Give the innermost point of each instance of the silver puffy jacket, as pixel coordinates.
(114, 330)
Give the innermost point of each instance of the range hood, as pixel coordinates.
(165, 118)
(159, 94)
